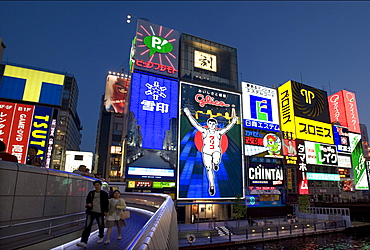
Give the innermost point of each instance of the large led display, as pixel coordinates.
(304, 113)
(343, 109)
(262, 143)
(341, 139)
(115, 97)
(31, 85)
(23, 126)
(152, 127)
(359, 168)
(321, 154)
(260, 109)
(210, 153)
(156, 49)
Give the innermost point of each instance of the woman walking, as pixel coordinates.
(116, 205)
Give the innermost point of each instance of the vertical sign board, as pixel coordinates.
(210, 153)
(343, 109)
(6, 118)
(152, 126)
(287, 122)
(359, 168)
(260, 110)
(156, 49)
(20, 131)
(115, 97)
(302, 168)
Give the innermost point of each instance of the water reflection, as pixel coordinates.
(358, 238)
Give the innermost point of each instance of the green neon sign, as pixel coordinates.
(157, 44)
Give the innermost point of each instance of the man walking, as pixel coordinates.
(96, 205)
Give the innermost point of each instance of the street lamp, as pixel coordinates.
(129, 18)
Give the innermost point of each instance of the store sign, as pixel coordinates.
(302, 168)
(260, 109)
(210, 143)
(314, 131)
(31, 85)
(156, 49)
(265, 174)
(359, 168)
(150, 173)
(322, 177)
(205, 61)
(343, 109)
(341, 139)
(262, 143)
(344, 161)
(286, 108)
(265, 160)
(321, 154)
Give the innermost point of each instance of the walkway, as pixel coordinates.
(133, 225)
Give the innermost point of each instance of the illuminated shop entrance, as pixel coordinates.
(200, 212)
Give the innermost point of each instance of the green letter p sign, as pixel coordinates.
(157, 44)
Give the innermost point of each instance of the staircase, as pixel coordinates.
(223, 231)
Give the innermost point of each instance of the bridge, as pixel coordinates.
(44, 208)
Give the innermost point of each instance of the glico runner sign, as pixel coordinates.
(152, 127)
(260, 109)
(343, 109)
(210, 153)
(156, 49)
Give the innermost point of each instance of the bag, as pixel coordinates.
(124, 215)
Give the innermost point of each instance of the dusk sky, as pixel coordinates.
(321, 44)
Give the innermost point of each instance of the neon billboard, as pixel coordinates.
(343, 109)
(359, 168)
(260, 109)
(31, 85)
(115, 97)
(152, 127)
(210, 153)
(156, 49)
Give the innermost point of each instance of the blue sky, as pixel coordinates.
(311, 42)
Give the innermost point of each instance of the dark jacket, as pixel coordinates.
(104, 202)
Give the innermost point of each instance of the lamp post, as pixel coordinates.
(129, 18)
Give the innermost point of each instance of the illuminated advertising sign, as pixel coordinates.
(322, 177)
(6, 117)
(51, 141)
(31, 85)
(156, 49)
(304, 113)
(354, 139)
(321, 154)
(150, 184)
(310, 103)
(286, 108)
(152, 127)
(265, 175)
(262, 143)
(344, 161)
(359, 168)
(265, 196)
(260, 109)
(205, 61)
(314, 131)
(302, 168)
(343, 109)
(115, 97)
(40, 127)
(210, 142)
(341, 139)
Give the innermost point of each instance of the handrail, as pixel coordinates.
(42, 220)
(150, 222)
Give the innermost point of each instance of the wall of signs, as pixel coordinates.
(152, 127)
(210, 142)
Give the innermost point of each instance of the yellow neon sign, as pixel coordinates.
(287, 122)
(311, 130)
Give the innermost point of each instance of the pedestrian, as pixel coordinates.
(4, 156)
(97, 203)
(32, 158)
(116, 205)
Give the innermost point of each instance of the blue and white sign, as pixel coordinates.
(260, 107)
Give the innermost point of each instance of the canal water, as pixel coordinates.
(352, 238)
